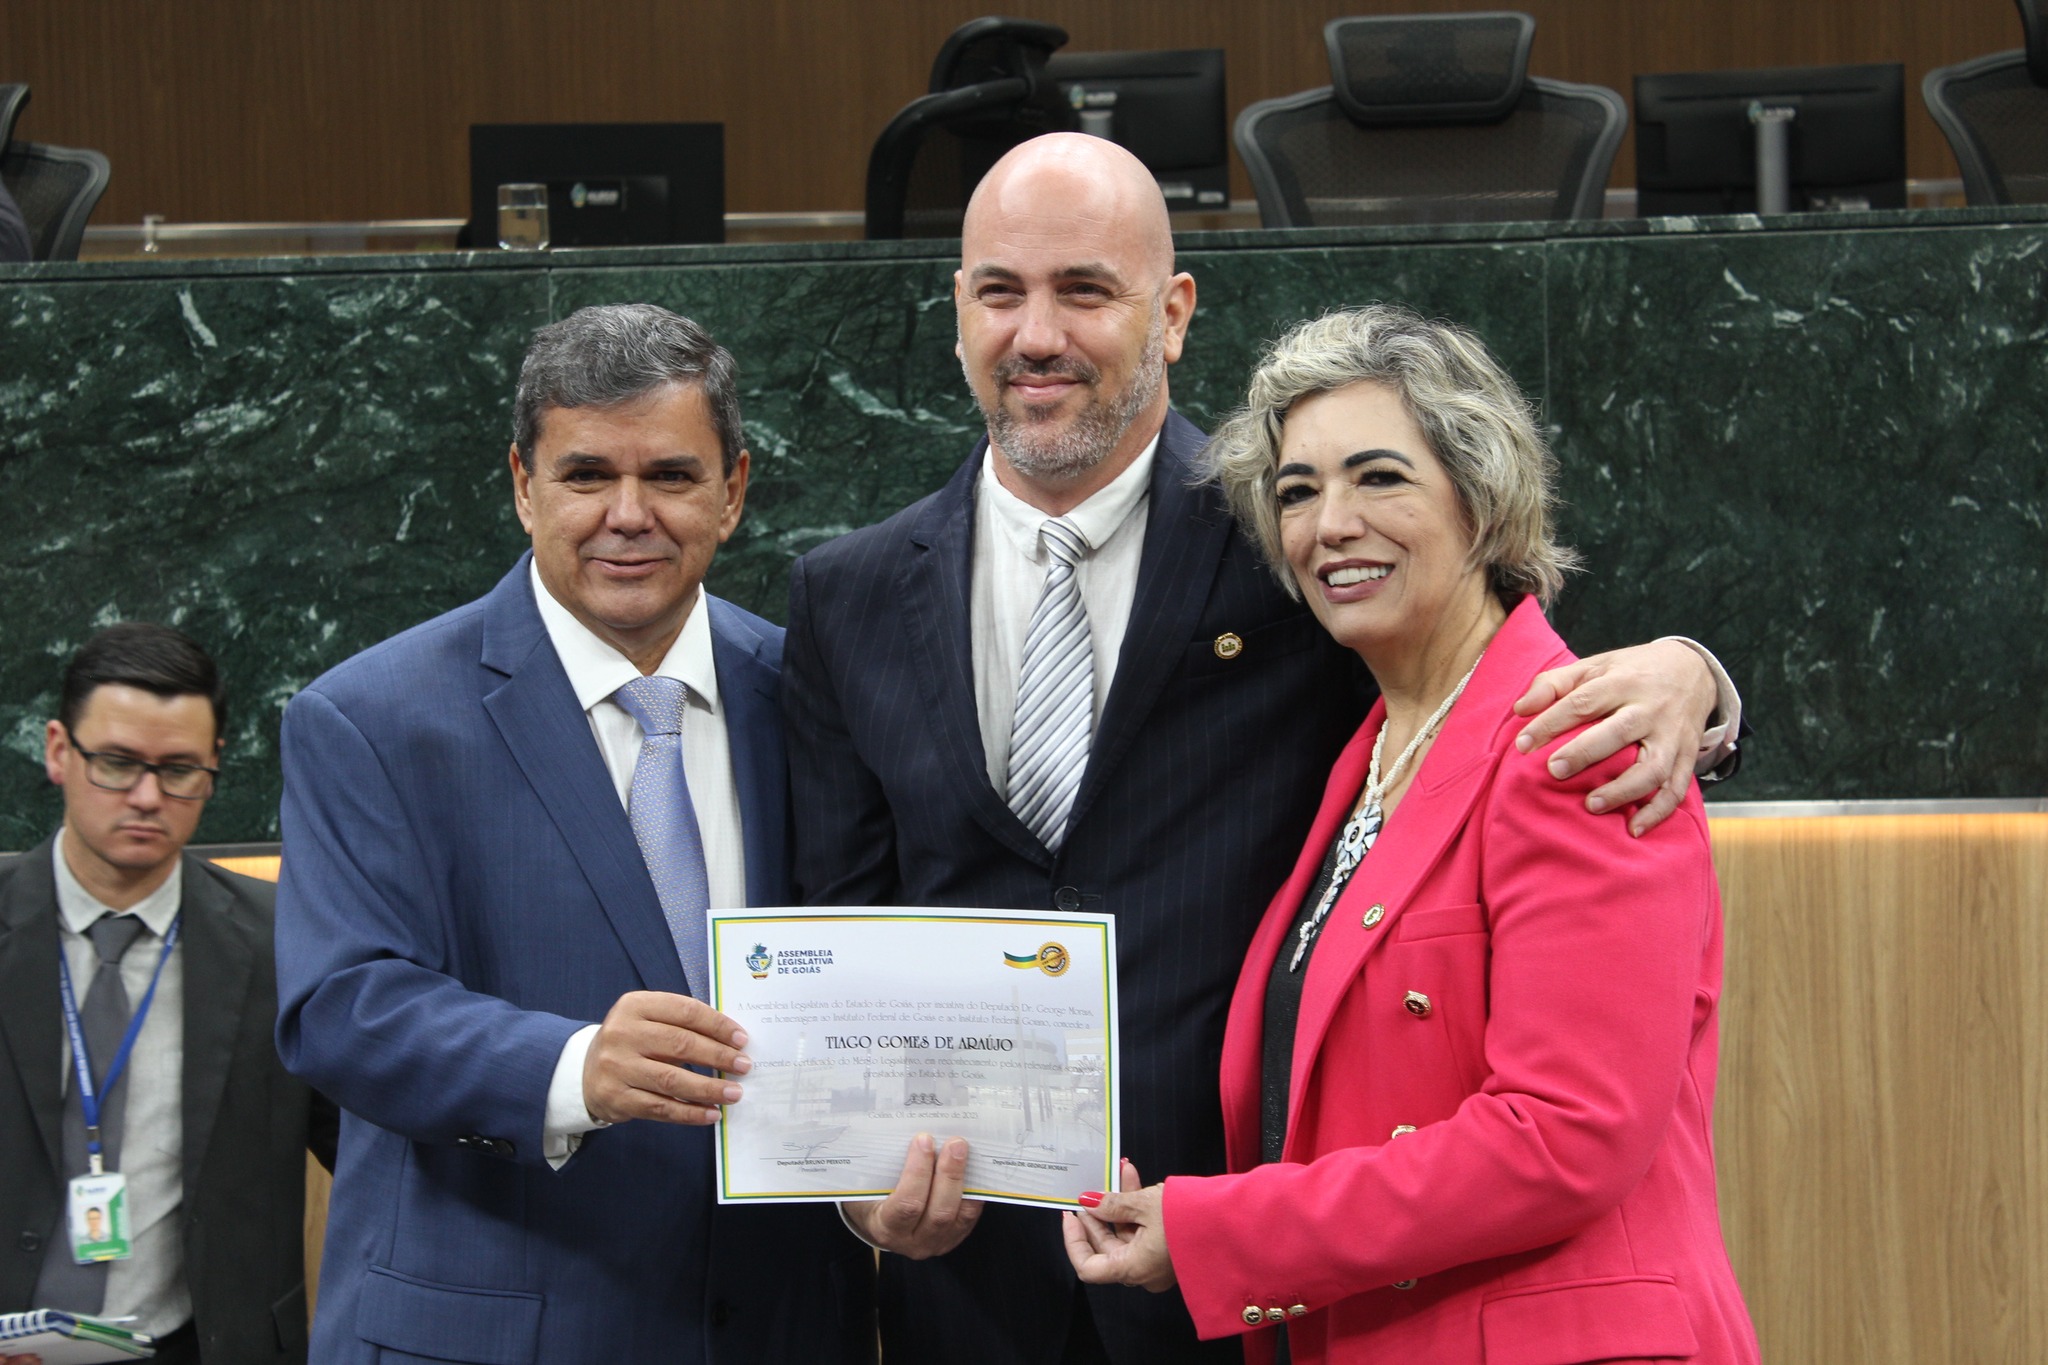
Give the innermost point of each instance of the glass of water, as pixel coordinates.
(523, 217)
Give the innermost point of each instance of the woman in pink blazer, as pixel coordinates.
(1469, 1075)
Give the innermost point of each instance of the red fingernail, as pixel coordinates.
(1090, 1200)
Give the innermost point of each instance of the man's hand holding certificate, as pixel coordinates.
(869, 1028)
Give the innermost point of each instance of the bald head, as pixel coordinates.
(1068, 186)
(1069, 314)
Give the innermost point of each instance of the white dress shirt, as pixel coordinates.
(1009, 572)
(596, 670)
(150, 1285)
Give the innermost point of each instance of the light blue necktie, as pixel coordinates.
(665, 820)
(1055, 717)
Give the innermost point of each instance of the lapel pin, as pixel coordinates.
(1229, 645)
(1374, 915)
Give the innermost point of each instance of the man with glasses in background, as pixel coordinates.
(156, 966)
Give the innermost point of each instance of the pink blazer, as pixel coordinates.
(1500, 1123)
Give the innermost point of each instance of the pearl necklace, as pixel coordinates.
(1363, 828)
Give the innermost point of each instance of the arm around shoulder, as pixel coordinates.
(1671, 697)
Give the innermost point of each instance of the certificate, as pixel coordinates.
(867, 1027)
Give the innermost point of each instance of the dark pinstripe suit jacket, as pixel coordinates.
(1205, 771)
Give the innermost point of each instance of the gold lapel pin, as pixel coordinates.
(1229, 645)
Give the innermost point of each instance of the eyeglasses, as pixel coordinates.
(119, 773)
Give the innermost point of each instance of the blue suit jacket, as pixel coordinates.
(1204, 770)
(461, 892)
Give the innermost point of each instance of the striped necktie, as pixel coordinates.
(665, 820)
(1055, 716)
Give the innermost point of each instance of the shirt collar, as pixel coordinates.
(596, 670)
(79, 907)
(1098, 519)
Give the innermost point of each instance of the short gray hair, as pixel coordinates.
(1477, 423)
(602, 356)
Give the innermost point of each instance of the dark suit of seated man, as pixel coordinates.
(211, 1147)
(477, 960)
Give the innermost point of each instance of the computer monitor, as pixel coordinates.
(1166, 108)
(609, 184)
(1845, 144)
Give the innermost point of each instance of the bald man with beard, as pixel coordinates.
(1218, 706)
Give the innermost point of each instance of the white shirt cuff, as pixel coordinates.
(567, 1120)
(1719, 740)
(856, 1231)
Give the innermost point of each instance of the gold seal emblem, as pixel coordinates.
(1229, 645)
(1051, 958)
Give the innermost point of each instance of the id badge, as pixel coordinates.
(98, 1218)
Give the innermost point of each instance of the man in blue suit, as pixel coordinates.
(477, 961)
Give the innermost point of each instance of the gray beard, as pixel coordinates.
(1060, 455)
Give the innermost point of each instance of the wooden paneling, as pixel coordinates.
(319, 1189)
(351, 110)
(263, 867)
(1882, 1121)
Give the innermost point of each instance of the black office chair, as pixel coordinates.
(1431, 118)
(1994, 113)
(13, 95)
(989, 92)
(56, 188)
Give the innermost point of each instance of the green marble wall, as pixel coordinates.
(1819, 448)
(1827, 454)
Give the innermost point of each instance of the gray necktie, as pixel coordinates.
(665, 820)
(103, 1017)
(1055, 716)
